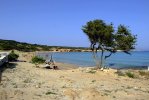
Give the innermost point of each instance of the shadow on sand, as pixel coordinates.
(6, 66)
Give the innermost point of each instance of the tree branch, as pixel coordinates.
(127, 52)
(108, 55)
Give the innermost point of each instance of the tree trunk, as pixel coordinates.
(101, 59)
(95, 59)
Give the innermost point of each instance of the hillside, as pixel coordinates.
(22, 46)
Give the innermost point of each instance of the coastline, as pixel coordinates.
(22, 80)
(138, 60)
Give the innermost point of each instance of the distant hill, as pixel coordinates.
(22, 46)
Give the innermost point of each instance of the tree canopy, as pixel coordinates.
(104, 37)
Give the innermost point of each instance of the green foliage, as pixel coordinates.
(45, 48)
(49, 92)
(14, 45)
(91, 71)
(120, 73)
(28, 80)
(38, 60)
(99, 33)
(13, 56)
(124, 40)
(21, 46)
(93, 81)
(130, 74)
(103, 37)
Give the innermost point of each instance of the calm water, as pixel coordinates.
(137, 59)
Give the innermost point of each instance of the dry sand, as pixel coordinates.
(23, 81)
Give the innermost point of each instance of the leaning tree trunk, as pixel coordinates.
(95, 59)
(101, 59)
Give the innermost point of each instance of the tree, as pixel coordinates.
(103, 37)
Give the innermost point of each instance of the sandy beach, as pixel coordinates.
(23, 81)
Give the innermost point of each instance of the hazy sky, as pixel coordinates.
(59, 22)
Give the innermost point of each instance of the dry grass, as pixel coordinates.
(144, 73)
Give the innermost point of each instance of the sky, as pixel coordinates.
(59, 22)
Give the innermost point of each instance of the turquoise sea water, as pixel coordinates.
(137, 59)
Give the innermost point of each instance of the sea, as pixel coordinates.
(119, 60)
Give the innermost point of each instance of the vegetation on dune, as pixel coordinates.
(38, 60)
(102, 36)
(91, 71)
(144, 73)
(49, 93)
(21, 46)
(126, 73)
(14, 45)
(133, 73)
(130, 75)
(13, 56)
(120, 73)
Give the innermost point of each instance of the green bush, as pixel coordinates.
(49, 92)
(130, 75)
(13, 56)
(37, 59)
(91, 71)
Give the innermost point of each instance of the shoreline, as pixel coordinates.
(133, 62)
(23, 80)
(145, 68)
(26, 56)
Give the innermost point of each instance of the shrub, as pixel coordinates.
(49, 92)
(37, 59)
(91, 71)
(120, 73)
(130, 75)
(13, 56)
